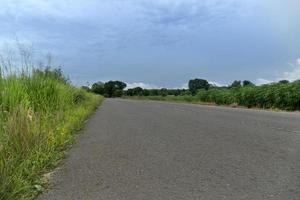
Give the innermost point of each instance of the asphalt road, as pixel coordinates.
(140, 150)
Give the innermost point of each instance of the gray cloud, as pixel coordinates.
(119, 23)
(175, 38)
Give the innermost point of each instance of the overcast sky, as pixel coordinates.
(160, 43)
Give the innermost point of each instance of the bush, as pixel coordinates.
(285, 96)
(79, 96)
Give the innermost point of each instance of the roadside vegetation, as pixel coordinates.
(109, 89)
(39, 112)
(282, 95)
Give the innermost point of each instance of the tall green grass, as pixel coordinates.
(39, 111)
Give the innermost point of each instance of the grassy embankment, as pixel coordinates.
(39, 111)
(281, 96)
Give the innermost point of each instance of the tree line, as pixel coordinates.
(283, 94)
(117, 88)
(109, 89)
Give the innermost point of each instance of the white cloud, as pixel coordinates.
(115, 24)
(142, 85)
(184, 86)
(262, 81)
(291, 75)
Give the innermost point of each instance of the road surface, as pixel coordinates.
(143, 150)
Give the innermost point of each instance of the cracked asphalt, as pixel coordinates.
(145, 150)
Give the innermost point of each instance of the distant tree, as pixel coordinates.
(138, 91)
(248, 83)
(186, 93)
(163, 92)
(130, 92)
(146, 92)
(117, 93)
(197, 84)
(98, 88)
(154, 92)
(175, 92)
(236, 83)
(178, 92)
(109, 88)
(284, 81)
(114, 88)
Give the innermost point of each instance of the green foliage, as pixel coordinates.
(109, 89)
(163, 92)
(117, 93)
(79, 96)
(114, 88)
(154, 92)
(146, 93)
(54, 74)
(248, 83)
(137, 91)
(236, 84)
(218, 96)
(282, 95)
(284, 81)
(98, 88)
(197, 84)
(38, 114)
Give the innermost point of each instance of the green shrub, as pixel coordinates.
(79, 96)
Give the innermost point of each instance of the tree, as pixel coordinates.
(197, 84)
(130, 92)
(236, 83)
(154, 92)
(284, 81)
(145, 92)
(114, 88)
(163, 92)
(98, 88)
(117, 93)
(120, 85)
(248, 83)
(138, 91)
